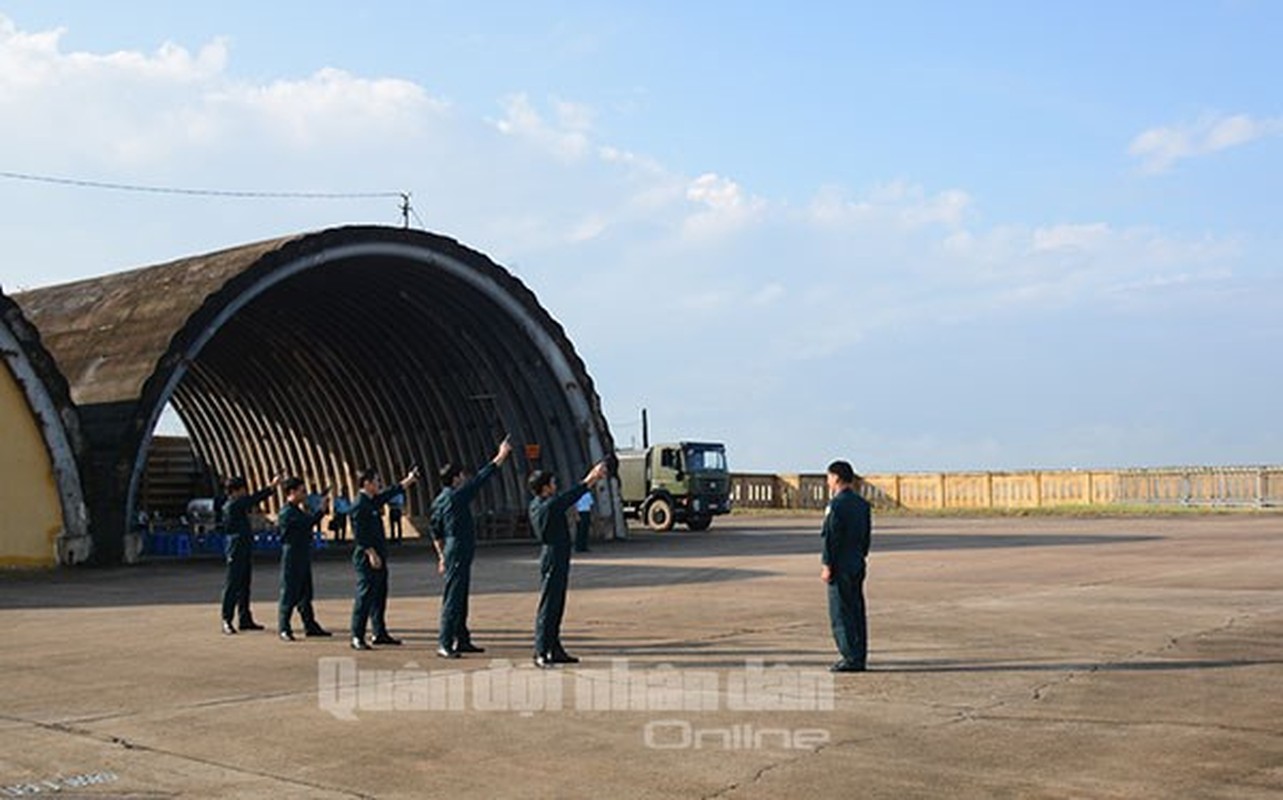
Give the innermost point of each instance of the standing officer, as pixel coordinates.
(296, 526)
(848, 527)
(454, 536)
(240, 551)
(338, 520)
(394, 518)
(548, 511)
(370, 557)
(584, 523)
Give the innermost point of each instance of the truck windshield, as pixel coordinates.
(701, 459)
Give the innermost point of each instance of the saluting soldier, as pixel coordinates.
(548, 512)
(455, 539)
(370, 557)
(296, 524)
(848, 528)
(240, 551)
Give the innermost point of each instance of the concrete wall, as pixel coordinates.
(30, 508)
(1258, 487)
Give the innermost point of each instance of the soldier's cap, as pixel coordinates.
(292, 483)
(234, 483)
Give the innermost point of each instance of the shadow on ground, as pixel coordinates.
(500, 569)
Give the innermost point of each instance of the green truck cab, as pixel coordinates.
(678, 482)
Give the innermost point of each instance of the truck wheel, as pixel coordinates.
(699, 523)
(659, 515)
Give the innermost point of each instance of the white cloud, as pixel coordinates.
(136, 109)
(330, 103)
(567, 138)
(769, 294)
(1154, 283)
(904, 205)
(1070, 237)
(35, 61)
(725, 206)
(1160, 148)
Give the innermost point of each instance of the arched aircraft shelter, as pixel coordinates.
(44, 517)
(321, 354)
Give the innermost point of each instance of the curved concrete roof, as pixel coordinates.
(47, 396)
(320, 354)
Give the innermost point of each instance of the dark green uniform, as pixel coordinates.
(371, 584)
(452, 525)
(848, 528)
(296, 567)
(240, 556)
(548, 520)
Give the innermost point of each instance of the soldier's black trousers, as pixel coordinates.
(240, 564)
(847, 615)
(454, 601)
(371, 601)
(296, 586)
(554, 571)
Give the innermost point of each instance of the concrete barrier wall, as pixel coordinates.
(1256, 487)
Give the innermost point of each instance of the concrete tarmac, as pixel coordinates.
(1011, 657)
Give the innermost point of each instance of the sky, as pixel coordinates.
(918, 235)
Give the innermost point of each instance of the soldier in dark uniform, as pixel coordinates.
(394, 520)
(240, 551)
(548, 512)
(370, 557)
(296, 524)
(454, 536)
(848, 528)
(338, 520)
(583, 510)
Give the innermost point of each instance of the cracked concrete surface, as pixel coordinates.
(1136, 657)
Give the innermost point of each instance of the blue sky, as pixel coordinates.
(918, 235)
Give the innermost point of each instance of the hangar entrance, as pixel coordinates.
(321, 355)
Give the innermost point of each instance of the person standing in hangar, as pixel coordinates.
(240, 551)
(455, 539)
(370, 557)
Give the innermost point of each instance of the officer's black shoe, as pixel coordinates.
(250, 625)
(386, 638)
(287, 636)
(564, 658)
(317, 630)
(848, 666)
(227, 628)
(360, 644)
(469, 647)
(444, 653)
(545, 662)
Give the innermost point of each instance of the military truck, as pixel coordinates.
(679, 482)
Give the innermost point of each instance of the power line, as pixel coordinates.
(126, 187)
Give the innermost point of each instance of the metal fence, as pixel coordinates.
(1247, 487)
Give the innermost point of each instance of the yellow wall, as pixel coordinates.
(30, 512)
